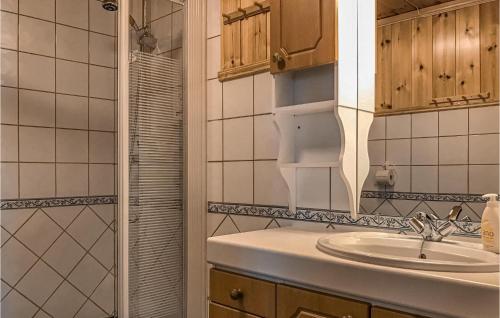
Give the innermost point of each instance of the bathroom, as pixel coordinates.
(237, 158)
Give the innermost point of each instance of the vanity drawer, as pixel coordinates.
(295, 302)
(218, 311)
(378, 312)
(250, 295)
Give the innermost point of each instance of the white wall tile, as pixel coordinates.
(177, 29)
(484, 120)
(453, 179)
(72, 179)
(72, 43)
(453, 150)
(483, 179)
(72, 12)
(263, 93)
(269, 186)
(313, 188)
(72, 111)
(101, 114)
(101, 179)
(10, 181)
(238, 97)
(9, 74)
(424, 124)
(250, 223)
(36, 144)
(101, 147)
(424, 151)
(213, 18)
(213, 57)
(398, 126)
(339, 194)
(403, 179)
(266, 137)
(398, 151)
(162, 29)
(102, 82)
(9, 5)
(72, 78)
(102, 49)
(214, 181)
(37, 108)
(160, 8)
(43, 9)
(214, 141)
(484, 149)
(72, 146)
(424, 179)
(377, 129)
(453, 122)
(376, 151)
(39, 283)
(370, 182)
(238, 139)
(8, 37)
(37, 180)
(16, 305)
(214, 99)
(100, 20)
(238, 182)
(9, 105)
(36, 72)
(36, 36)
(9, 143)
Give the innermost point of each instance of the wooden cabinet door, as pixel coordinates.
(378, 312)
(299, 303)
(303, 34)
(218, 311)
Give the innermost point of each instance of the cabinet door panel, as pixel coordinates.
(401, 65)
(231, 36)
(378, 312)
(443, 29)
(299, 303)
(468, 60)
(302, 33)
(217, 311)
(489, 48)
(422, 62)
(384, 68)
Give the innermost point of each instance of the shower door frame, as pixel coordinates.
(195, 201)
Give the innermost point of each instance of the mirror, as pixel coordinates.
(434, 141)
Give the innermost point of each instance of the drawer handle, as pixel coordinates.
(236, 294)
(347, 316)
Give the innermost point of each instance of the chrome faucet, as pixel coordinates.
(429, 228)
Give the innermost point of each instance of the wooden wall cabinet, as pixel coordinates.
(442, 60)
(303, 34)
(237, 296)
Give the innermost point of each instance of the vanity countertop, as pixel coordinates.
(290, 255)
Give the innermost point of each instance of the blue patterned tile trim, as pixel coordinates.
(56, 202)
(330, 217)
(422, 196)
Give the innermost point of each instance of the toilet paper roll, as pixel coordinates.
(386, 177)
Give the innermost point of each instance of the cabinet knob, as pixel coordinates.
(346, 316)
(278, 59)
(236, 294)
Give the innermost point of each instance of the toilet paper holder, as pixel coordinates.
(386, 176)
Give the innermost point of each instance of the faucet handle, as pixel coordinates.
(454, 213)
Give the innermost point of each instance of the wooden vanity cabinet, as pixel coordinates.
(303, 34)
(238, 296)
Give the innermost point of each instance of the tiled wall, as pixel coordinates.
(242, 145)
(57, 141)
(58, 92)
(453, 151)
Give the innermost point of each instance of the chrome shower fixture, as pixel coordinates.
(109, 5)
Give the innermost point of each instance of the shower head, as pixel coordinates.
(148, 41)
(109, 5)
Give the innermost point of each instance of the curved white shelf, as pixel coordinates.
(308, 108)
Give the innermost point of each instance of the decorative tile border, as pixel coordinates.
(330, 217)
(475, 198)
(56, 202)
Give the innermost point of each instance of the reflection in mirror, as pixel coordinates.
(434, 141)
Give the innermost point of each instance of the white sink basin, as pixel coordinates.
(403, 251)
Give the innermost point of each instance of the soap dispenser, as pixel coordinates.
(490, 224)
